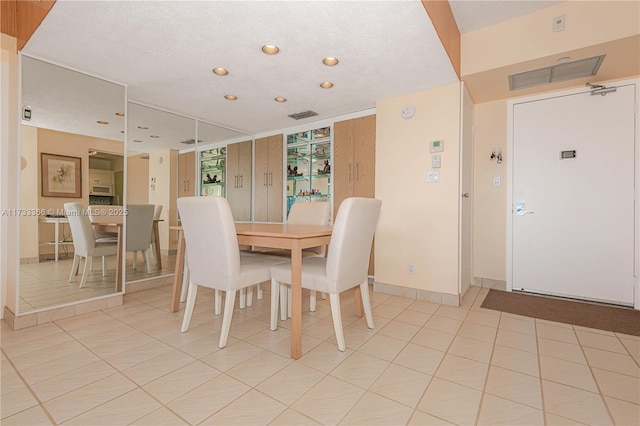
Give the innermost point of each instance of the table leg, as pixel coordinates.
(119, 261)
(177, 274)
(296, 302)
(57, 239)
(156, 235)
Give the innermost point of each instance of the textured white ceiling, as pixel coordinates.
(163, 51)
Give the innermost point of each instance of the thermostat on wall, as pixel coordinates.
(436, 145)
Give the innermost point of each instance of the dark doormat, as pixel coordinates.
(585, 314)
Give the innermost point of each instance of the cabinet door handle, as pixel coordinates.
(356, 171)
(235, 184)
(241, 181)
(266, 179)
(270, 178)
(349, 172)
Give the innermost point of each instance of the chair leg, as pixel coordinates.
(188, 308)
(185, 282)
(283, 301)
(104, 265)
(135, 258)
(289, 301)
(243, 299)
(312, 300)
(323, 295)
(226, 319)
(249, 295)
(337, 320)
(74, 267)
(275, 293)
(90, 259)
(259, 290)
(218, 302)
(85, 271)
(366, 303)
(147, 260)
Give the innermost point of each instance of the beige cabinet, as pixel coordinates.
(268, 179)
(238, 180)
(354, 159)
(186, 174)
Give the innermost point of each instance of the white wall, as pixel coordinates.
(419, 220)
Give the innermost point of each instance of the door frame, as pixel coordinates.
(510, 171)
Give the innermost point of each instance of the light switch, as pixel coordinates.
(496, 181)
(435, 161)
(433, 177)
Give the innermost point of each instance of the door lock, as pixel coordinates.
(520, 211)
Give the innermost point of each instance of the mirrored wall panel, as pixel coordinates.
(72, 148)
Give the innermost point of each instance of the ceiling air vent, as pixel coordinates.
(190, 141)
(560, 72)
(303, 114)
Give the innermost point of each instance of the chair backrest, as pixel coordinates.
(157, 211)
(139, 221)
(350, 246)
(310, 214)
(212, 244)
(84, 240)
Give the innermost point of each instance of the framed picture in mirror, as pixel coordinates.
(61, 176)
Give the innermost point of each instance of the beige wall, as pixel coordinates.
(137, 179)
(29, 249)
(419, 220)
(9, 170)
(165, 193)
(490, 203)
(530, 37)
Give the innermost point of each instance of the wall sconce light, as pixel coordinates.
(496, 154)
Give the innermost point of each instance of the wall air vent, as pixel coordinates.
(303, 114)
(560, 72)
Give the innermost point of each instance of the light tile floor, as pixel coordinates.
(423, 364)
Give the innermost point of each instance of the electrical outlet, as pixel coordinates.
(411, 268)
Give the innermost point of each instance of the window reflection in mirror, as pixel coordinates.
(71, 115)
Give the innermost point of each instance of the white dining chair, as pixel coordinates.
(345, 266)
(214, 256)
(156, 216)
(139, 228)
(318, 213)
(84, 242)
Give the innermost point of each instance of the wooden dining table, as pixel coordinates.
(271, 235)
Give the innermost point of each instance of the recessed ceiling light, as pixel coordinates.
(563, 60)
(121, 131)
(280, 99)
(220, 71)
(230, 97)
(270, 49)
(143, 127)
(120, 114)
(102, 122)
(330, 61)
(326, 85)
(154, 136)
(137, 140)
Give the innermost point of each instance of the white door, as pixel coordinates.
(573, 218)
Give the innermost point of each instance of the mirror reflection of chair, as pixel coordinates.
(139, 228)
(156, 216)
(84, 242)
(318, 213)
(218, 266)
(345, 266)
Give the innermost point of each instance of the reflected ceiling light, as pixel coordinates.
(154, 136)
(563, 60)
(326, 85)
(102, 122)
(120, 114)
(143, 127)
(230, 97)
(137, 140)
(280, 99)
(270, 49)
(330, 61)
(220, 71)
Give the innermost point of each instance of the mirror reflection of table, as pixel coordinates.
(56, 221)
